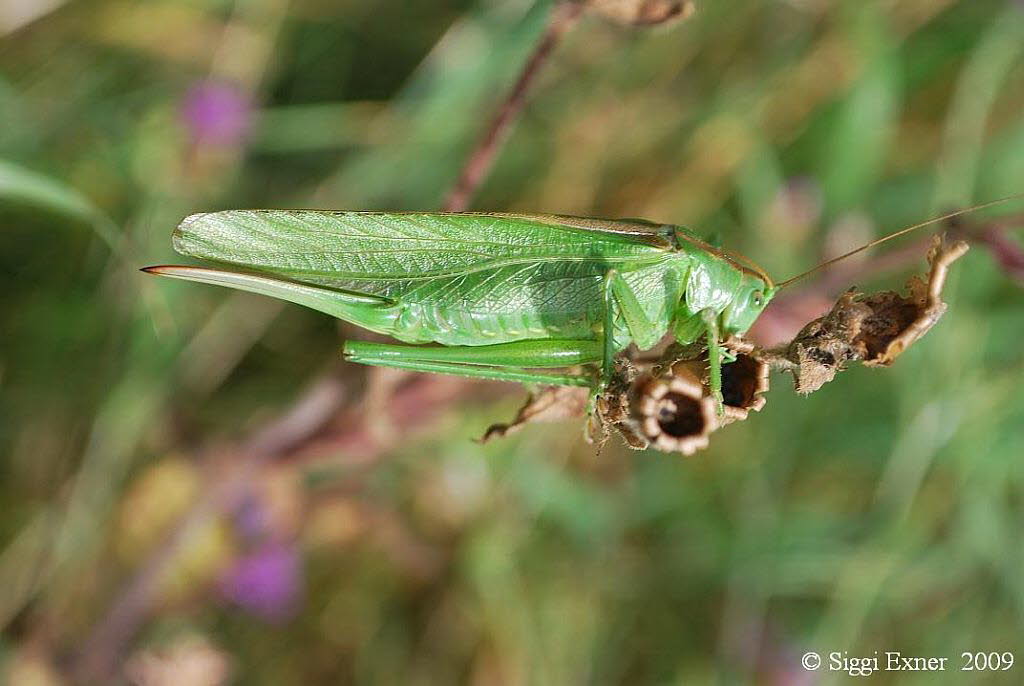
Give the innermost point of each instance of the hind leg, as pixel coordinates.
(519, 361)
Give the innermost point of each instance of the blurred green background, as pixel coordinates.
(882, 513)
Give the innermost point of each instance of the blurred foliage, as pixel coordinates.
(884, 513)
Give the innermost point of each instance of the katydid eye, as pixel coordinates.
(758, 299)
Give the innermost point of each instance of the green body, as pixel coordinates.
(506, 292)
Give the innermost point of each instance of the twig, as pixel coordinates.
(564, 16)
(1008, 253)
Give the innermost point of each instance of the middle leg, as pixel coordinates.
(620, 298)
(714, 357)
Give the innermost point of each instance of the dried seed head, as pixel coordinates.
(874, 329)
(897, 322)
(825, 345)
(673, 412)
(744, 381)
(891, 315)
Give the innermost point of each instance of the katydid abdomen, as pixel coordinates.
(543, 300)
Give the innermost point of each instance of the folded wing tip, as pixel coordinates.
(191, 219)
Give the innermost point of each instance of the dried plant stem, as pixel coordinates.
(1007, 251)
(564, 16)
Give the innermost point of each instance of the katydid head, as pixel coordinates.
(750, 296)
(749, 300)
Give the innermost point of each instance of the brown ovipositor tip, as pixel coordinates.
(672, 412)
(178, 271)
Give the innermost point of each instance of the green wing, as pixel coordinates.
(372, 252)
(460, 278)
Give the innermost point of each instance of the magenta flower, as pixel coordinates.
(216, 113)
(266, 581)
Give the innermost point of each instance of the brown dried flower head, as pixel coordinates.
(673, 412)
(874, 329)
(897, 322)
(744, 383)
(825, 345)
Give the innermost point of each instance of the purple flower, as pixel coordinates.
(266, 582)
(216, 113)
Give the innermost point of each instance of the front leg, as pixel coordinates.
(710, 320)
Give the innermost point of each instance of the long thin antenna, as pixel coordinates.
(902, 232)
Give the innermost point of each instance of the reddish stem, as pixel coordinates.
(563, 17)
